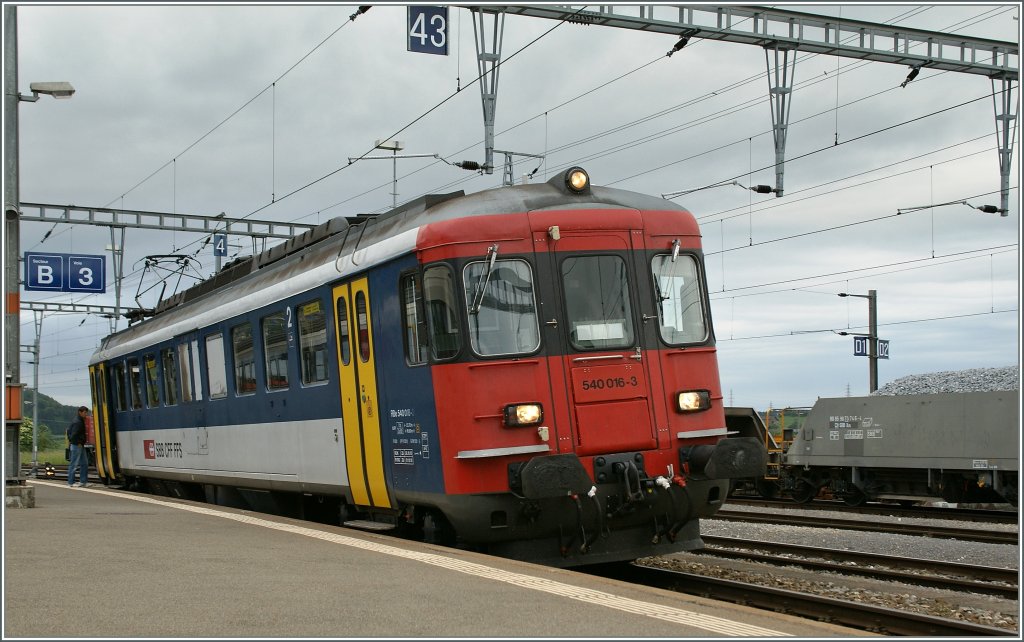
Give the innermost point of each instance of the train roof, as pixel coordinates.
(324, 252)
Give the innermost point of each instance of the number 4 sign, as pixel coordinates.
(428, 30)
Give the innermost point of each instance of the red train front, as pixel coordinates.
(579, 408)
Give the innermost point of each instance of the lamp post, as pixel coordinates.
(395, 146)
(872, 298)
(12, 249)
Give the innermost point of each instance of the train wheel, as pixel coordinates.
(805, 492)
(854, 497)
(437, 530)
(767, 489)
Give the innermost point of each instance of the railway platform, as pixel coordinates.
(104, 563)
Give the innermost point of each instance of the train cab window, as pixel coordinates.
(170, 372)
(312, 343)
(245, 359)
(413, 323)
(152, 381)
(344, 344)
(135, 382)
(678, 292)
(216, 368)
(275, 349)
(597, 302)
(117, 389)
(363, 327)
(442, 311)
(501, 307)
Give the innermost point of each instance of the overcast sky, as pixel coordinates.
(243, 109)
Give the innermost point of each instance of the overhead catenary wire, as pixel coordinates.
(915, 81)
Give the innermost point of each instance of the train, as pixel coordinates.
(528, 371)
(956, 447)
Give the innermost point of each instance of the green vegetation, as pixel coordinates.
(53, 416)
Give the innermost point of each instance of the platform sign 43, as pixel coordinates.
(65, 272)
(428, 30)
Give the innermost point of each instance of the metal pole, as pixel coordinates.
(873, 340)
(394, 179)
(12, 286)
(35, 394)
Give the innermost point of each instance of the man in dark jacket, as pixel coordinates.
(77, 460)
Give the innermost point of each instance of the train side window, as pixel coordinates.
(170, 372)
(185, 369)
(117, 387)
(197, 386)
(245, 359)
(312, 343)
(413, 323)
(216, 368)
(363, 327)
(442, 311)
(152, 381)
(597, 302)
(678, 292)
(501, 307)
(275, 350)
(343, 331)
(135, 382)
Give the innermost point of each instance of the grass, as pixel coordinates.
(54, 455)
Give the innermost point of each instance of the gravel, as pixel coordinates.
(975, 380)
(982, 609)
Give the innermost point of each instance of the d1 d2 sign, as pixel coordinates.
(65, 273)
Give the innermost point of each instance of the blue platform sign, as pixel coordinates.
(861, 347)
(220, 244)
(428, 30)
(65, 272)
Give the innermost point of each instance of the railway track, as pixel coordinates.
(857, 615)
(953, 576)
(990, 516)
(921, 530)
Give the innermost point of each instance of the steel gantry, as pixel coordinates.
(119, 220)
(785, 32)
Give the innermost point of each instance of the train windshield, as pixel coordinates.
(677, 288)
(597, 302)
(504, 321)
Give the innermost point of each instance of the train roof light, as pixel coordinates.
(577, 180)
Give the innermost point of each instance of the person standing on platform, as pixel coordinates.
(78, 461)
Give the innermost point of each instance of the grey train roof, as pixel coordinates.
(357, 243)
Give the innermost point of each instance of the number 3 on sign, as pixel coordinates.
(428, 30)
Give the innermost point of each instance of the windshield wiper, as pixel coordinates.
(481, 285)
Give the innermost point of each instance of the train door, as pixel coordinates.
(102, 430)
(607, 378)
(358, 379)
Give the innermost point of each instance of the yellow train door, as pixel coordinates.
(102, 430)
(359, 408)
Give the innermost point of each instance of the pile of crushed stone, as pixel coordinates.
(974, 380)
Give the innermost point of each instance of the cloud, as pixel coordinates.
(151, 81)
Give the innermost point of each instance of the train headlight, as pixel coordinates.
(693, 401)
(577, 180)
(523, 414)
